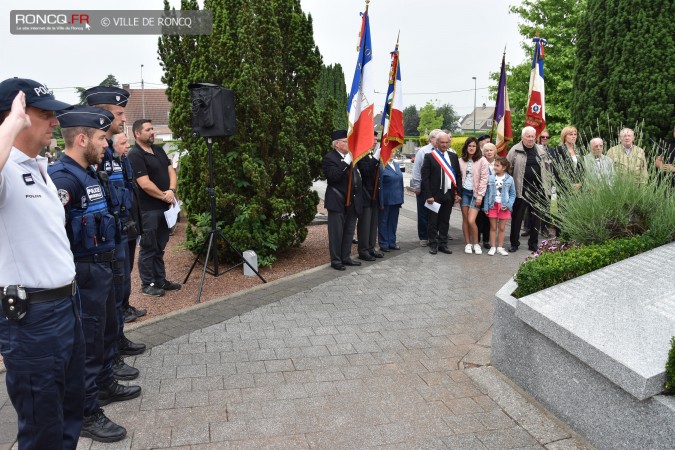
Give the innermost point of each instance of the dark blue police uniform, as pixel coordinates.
(91, 230)
(120, 188)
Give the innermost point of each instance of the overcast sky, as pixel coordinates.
(443, 44)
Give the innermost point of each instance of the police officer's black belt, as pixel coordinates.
(47, 295)
(98, 257)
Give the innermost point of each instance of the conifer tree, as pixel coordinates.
(265, 53)
(332, 85)
(624, 71)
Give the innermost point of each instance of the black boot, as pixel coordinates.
(128, 348)
(117, 393)
(99, 428)
(123, 371)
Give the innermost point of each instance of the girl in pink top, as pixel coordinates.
(475, 176)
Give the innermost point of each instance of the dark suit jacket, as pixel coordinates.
(368, 167)
(337, 176)
(431, 179)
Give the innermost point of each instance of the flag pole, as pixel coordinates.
(494, 115)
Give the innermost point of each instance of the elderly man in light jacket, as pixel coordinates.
(530, 167)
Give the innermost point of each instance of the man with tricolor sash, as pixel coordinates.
(441, 185)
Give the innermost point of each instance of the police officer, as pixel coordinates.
(120, 185)
(40, 333)
(121, 146)
(91, 230)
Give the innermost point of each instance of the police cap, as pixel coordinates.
(106, 95)
(37, 95)
(338, 134)
(85, 116)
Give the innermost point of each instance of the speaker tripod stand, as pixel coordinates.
(213, 236)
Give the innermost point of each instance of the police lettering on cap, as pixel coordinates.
(338, 134)
(106, 95)
(37, 95)
(85, 116)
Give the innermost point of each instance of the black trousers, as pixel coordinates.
(519, 208)
(367, 230)
(483, 224)
(153, 242)
(340, 234)
(438, 225)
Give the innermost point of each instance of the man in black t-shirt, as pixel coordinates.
(156, 179)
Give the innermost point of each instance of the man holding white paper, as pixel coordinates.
(441, 184)
(156, 178)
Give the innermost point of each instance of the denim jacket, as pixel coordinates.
(508, 192)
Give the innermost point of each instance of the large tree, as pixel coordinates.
(449, 115)
(411, 120)
(625, 68)
(429, 119)
(265, 53)
(555, 21)
(332, 86)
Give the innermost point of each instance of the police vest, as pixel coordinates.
(120, 194)
(91, 228)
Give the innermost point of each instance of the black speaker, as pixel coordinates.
(212, 110)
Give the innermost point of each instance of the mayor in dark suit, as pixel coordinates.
(341, 218)
(437, 187)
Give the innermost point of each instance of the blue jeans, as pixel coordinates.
(468, 199)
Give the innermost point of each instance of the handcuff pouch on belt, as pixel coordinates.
(14, 302)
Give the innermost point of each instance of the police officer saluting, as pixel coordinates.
(120, 186)
(91, 230)
(40, 333)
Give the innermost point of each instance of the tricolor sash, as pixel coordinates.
(447, 168)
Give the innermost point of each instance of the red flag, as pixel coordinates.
(392, 117)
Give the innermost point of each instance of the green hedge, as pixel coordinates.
(549, 269)
(670, 369)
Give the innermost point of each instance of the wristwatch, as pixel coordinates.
(173, 190)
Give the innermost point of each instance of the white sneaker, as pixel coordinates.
(477, 250)
(424, 243)
(502, 252)
(492, 251)
(467, 249)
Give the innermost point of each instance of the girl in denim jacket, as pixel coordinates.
(498, 204)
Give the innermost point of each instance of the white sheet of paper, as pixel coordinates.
(171, 214)
(435, 206)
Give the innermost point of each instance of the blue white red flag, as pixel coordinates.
(502, 116)
(535, 115)
(361, 104)
(392, 117)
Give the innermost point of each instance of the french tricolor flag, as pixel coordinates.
(361, 104)
(392, 117)
(535, 115)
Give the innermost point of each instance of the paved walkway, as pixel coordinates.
(393, 354)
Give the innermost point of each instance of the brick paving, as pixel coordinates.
(393, 355)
